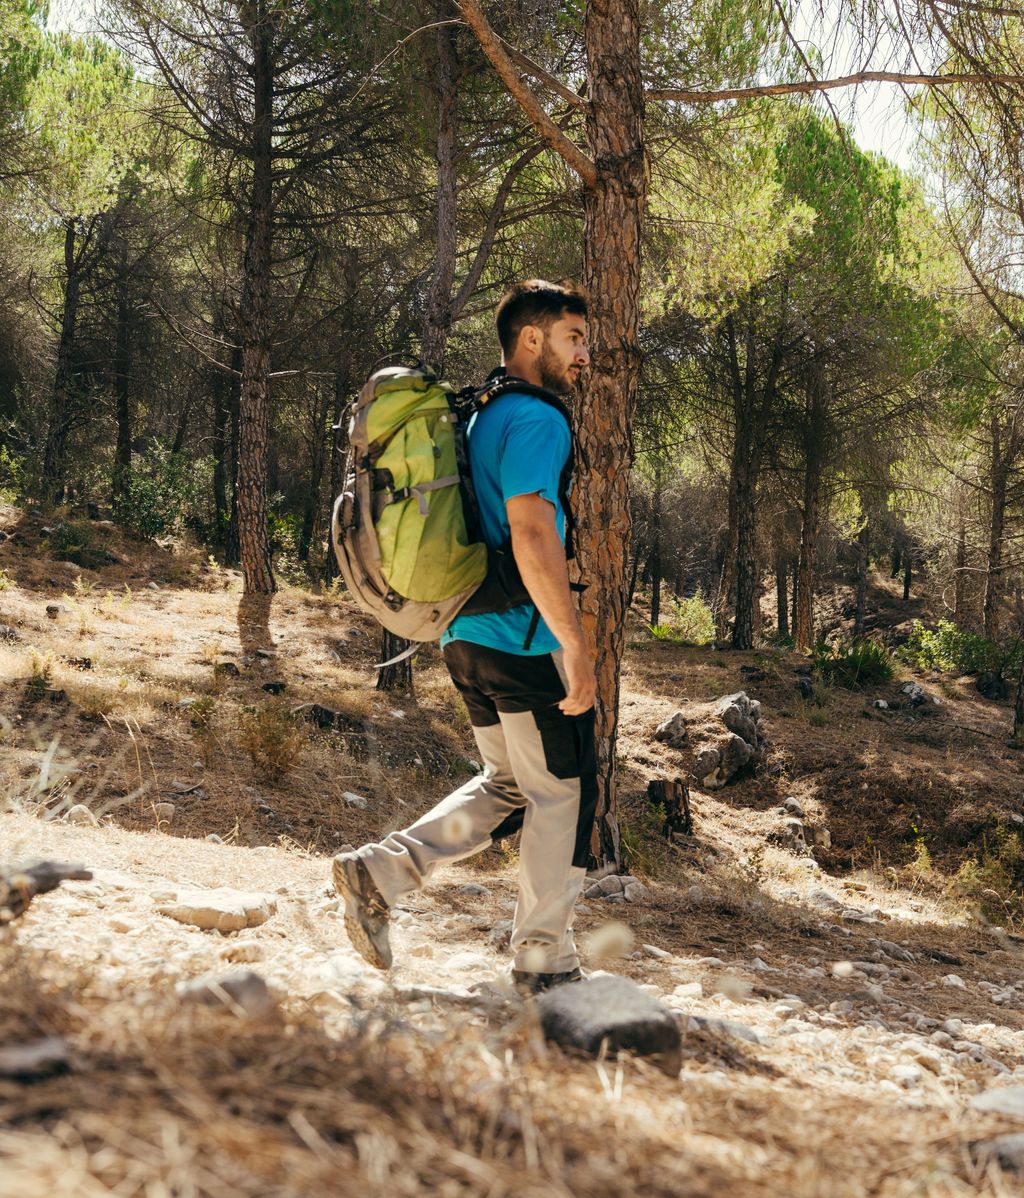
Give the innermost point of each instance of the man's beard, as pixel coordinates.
(554, 376)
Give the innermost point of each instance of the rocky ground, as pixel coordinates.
(192, 1021)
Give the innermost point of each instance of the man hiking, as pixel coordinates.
(526, 674)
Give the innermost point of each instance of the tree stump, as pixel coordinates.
(674, 799)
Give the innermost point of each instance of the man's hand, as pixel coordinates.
(582, 682)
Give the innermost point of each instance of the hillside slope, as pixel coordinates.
(841, 1009)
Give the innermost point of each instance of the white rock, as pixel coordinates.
(688, 990)
(355, 800)
(659, 954)
(222, 910)
(953, 1027)
(80, 814)
(164, 813)
(695, 893)
(1007, 1100)
(213, 838)
(635, 892)
(474, 890)
(953, 981)
(242, 991)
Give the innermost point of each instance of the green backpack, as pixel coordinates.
(406, 527)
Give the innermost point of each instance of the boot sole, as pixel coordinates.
(358, 936)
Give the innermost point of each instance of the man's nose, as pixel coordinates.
(582, 354)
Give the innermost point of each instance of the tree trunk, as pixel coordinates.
(863, 544)
(746, 562)
(253, 404)
(614, 211)
(815, 431)
(339, 445)
(655, 563)
(438, 317)
(232, 549)
(178, 444)
(960, 574)
(781, 594)
(897, 561)
(122, 393)
(795, 593)
(437, 321)
(55, 453)
(998, 474)
(1018, 710)
(318, 449)
(397, 677)
(907, 573)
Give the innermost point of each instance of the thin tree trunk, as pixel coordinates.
(219, 383)
(655, 563)
(746, 562)
(55, 453)
(438, 317)
(614, 211)
(122, 393)
(339, 445)
(863, 543)
(397, 677)
(795, 593)
(960, 615)
(253, 538)
(897, 561)
(1018, 710)
(814, 454)
(998, 474)
(318, 450)
(178, 444)
(907, 573)
(781, 594)
(232, 549)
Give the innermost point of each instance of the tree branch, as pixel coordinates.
(807, 87)
(547, 130)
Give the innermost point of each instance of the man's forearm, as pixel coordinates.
(540, 556)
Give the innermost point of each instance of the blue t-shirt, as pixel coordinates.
(518, 445)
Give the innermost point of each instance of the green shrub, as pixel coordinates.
(12, 475)
(691, 622)
(947, 647)
(856, 663)
(70, 537)
(269, 735)
(167, 493)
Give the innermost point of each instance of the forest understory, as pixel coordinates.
(842, 1005)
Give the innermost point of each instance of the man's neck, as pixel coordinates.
(525, 370)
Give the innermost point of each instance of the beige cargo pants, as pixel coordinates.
(539, 777)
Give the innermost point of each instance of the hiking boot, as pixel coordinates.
(366, 912)
(528, 983)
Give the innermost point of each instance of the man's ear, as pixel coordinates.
(531, 338)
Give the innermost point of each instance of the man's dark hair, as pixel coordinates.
(536, 302)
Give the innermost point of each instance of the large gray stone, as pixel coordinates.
(673, 732)
(735, 754)
(737, 721)
(612, 1010)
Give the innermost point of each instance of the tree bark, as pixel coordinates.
(907, 574)
(863, 544)
(232, 549)
(781, 594)
(55, 452)
(655, 563)
(795, 593)
(318, 449)
(122, 392)
(253, 405)
(998, 475)
(438, 317)
(1018, 710)
(614, 210)
(815, 431)
(397, 677)
(960, 615)
(339, 445)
